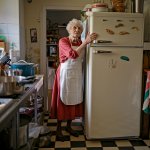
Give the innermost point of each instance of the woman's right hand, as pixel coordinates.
(90, 37)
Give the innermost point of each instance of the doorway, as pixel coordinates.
(53, 17)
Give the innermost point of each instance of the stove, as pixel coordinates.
(5, 103)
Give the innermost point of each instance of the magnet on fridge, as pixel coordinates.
(125, 58)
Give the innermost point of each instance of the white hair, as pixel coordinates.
(74, 22)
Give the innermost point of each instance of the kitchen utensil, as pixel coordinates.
(13, 72)
(9, 86)
(28, 69)
(139, 5)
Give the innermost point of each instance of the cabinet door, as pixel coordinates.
(113, 92)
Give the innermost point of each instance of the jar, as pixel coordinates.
(119, 7)
(99, 7)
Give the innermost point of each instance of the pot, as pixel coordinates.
(13, 72)
(9, 86)
(99, 7)
(28, 69)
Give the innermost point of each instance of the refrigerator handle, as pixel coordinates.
(101, 51)
(102, 41)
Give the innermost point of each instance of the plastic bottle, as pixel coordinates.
(12, 52)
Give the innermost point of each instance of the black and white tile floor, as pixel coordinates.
(81, 143)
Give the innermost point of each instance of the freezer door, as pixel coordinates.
(122, 29)
(113, 92)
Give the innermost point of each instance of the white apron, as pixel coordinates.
(71, 89)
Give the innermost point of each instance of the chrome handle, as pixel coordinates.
(101, 41)
(101, 51)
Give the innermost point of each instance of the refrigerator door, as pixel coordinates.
(113, 92)
(120, 29)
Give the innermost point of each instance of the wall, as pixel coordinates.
(9, 21)
(22, 29)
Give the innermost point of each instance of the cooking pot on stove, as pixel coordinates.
(10, 86)
(28, 69)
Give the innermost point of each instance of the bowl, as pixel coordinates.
(10, 86)
(100, 7)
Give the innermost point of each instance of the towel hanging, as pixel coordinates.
(146, 104)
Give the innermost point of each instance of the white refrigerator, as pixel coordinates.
(114, 76)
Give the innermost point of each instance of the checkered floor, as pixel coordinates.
(81, 143)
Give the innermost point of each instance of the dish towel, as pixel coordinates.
(146, 104)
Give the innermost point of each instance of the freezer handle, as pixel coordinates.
(101, 51)
(101, 41)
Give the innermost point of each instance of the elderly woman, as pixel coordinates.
(67, 95)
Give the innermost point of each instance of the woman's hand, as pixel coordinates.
(90, 37)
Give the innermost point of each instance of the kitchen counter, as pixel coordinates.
(9, 115)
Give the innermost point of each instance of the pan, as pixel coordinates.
(9, 86)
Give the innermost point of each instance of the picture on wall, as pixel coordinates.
(33, 35)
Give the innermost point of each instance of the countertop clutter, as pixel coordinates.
(13, 107)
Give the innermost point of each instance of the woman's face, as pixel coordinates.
(75, 31)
